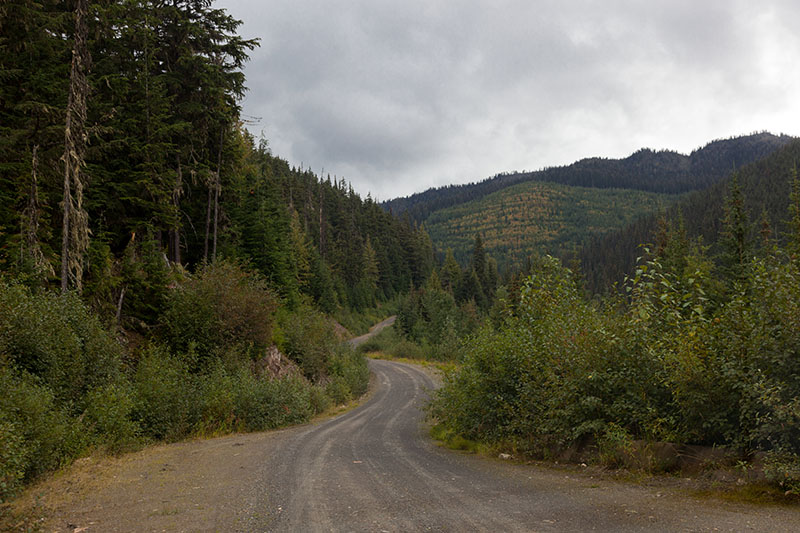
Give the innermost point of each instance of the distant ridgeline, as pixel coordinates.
(557, 210)
(765, 186)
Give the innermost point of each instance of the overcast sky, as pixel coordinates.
(399, 96)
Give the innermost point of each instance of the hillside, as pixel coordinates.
(661, 171)
(545, 216)
(765, 185)
(163, 275)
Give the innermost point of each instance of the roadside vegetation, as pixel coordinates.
(70, 387)
(693, 351)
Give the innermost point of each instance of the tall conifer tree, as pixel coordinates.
(75, 226)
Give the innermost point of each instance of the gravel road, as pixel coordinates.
(374, 330)
(373, 469)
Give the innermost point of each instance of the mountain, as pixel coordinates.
(765, 185)
(660, 171)
(549, 217)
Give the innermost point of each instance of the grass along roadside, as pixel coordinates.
(713, 483)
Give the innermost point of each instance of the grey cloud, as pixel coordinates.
(398, 96)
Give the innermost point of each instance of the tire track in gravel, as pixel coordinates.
(375, 469)
(372, 469)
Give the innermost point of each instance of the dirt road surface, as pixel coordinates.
(374, 330)
(372, 469)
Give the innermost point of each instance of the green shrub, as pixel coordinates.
(319, 399)
(216, 398)
(783, 469)
(222, 306)
(308, 339)
(265, 404)
(352, 368)
(165, 403)
(43, 434)
(108, 415)
(338, 390)
(557, 374)
(13, 459)
(669, 363)
(390, 342)
(615, 446)
(59, 340)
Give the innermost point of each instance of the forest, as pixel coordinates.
(543, 216)
(661, 171)
(607, 258)
(697, 346)
(163, 274)
(595, 211)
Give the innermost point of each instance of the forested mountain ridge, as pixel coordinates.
(546, 217)
(765, 187)
(661, 171)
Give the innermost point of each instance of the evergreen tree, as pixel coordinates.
(34, 73)
(470, 289)
(734, 241)
(75, 226)
(300, 252)
(479, 259)
(32, 261)
(765, 230)
(371, 271)
(450, 273)
(672, 244)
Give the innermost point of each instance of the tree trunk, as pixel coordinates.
(75, 224)
(119, 305)
(208, 223)
(217, 189)
(175, 232)
(321, 223)
(216, 218)
(65, 225)
(30, 249)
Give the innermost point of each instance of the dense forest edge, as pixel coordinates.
(164, 275)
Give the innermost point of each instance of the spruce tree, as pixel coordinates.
(451, 273)
(34, 76)
(735, 243)
(75, 226)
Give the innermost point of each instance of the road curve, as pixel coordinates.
(374, 330)
(374, 469)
